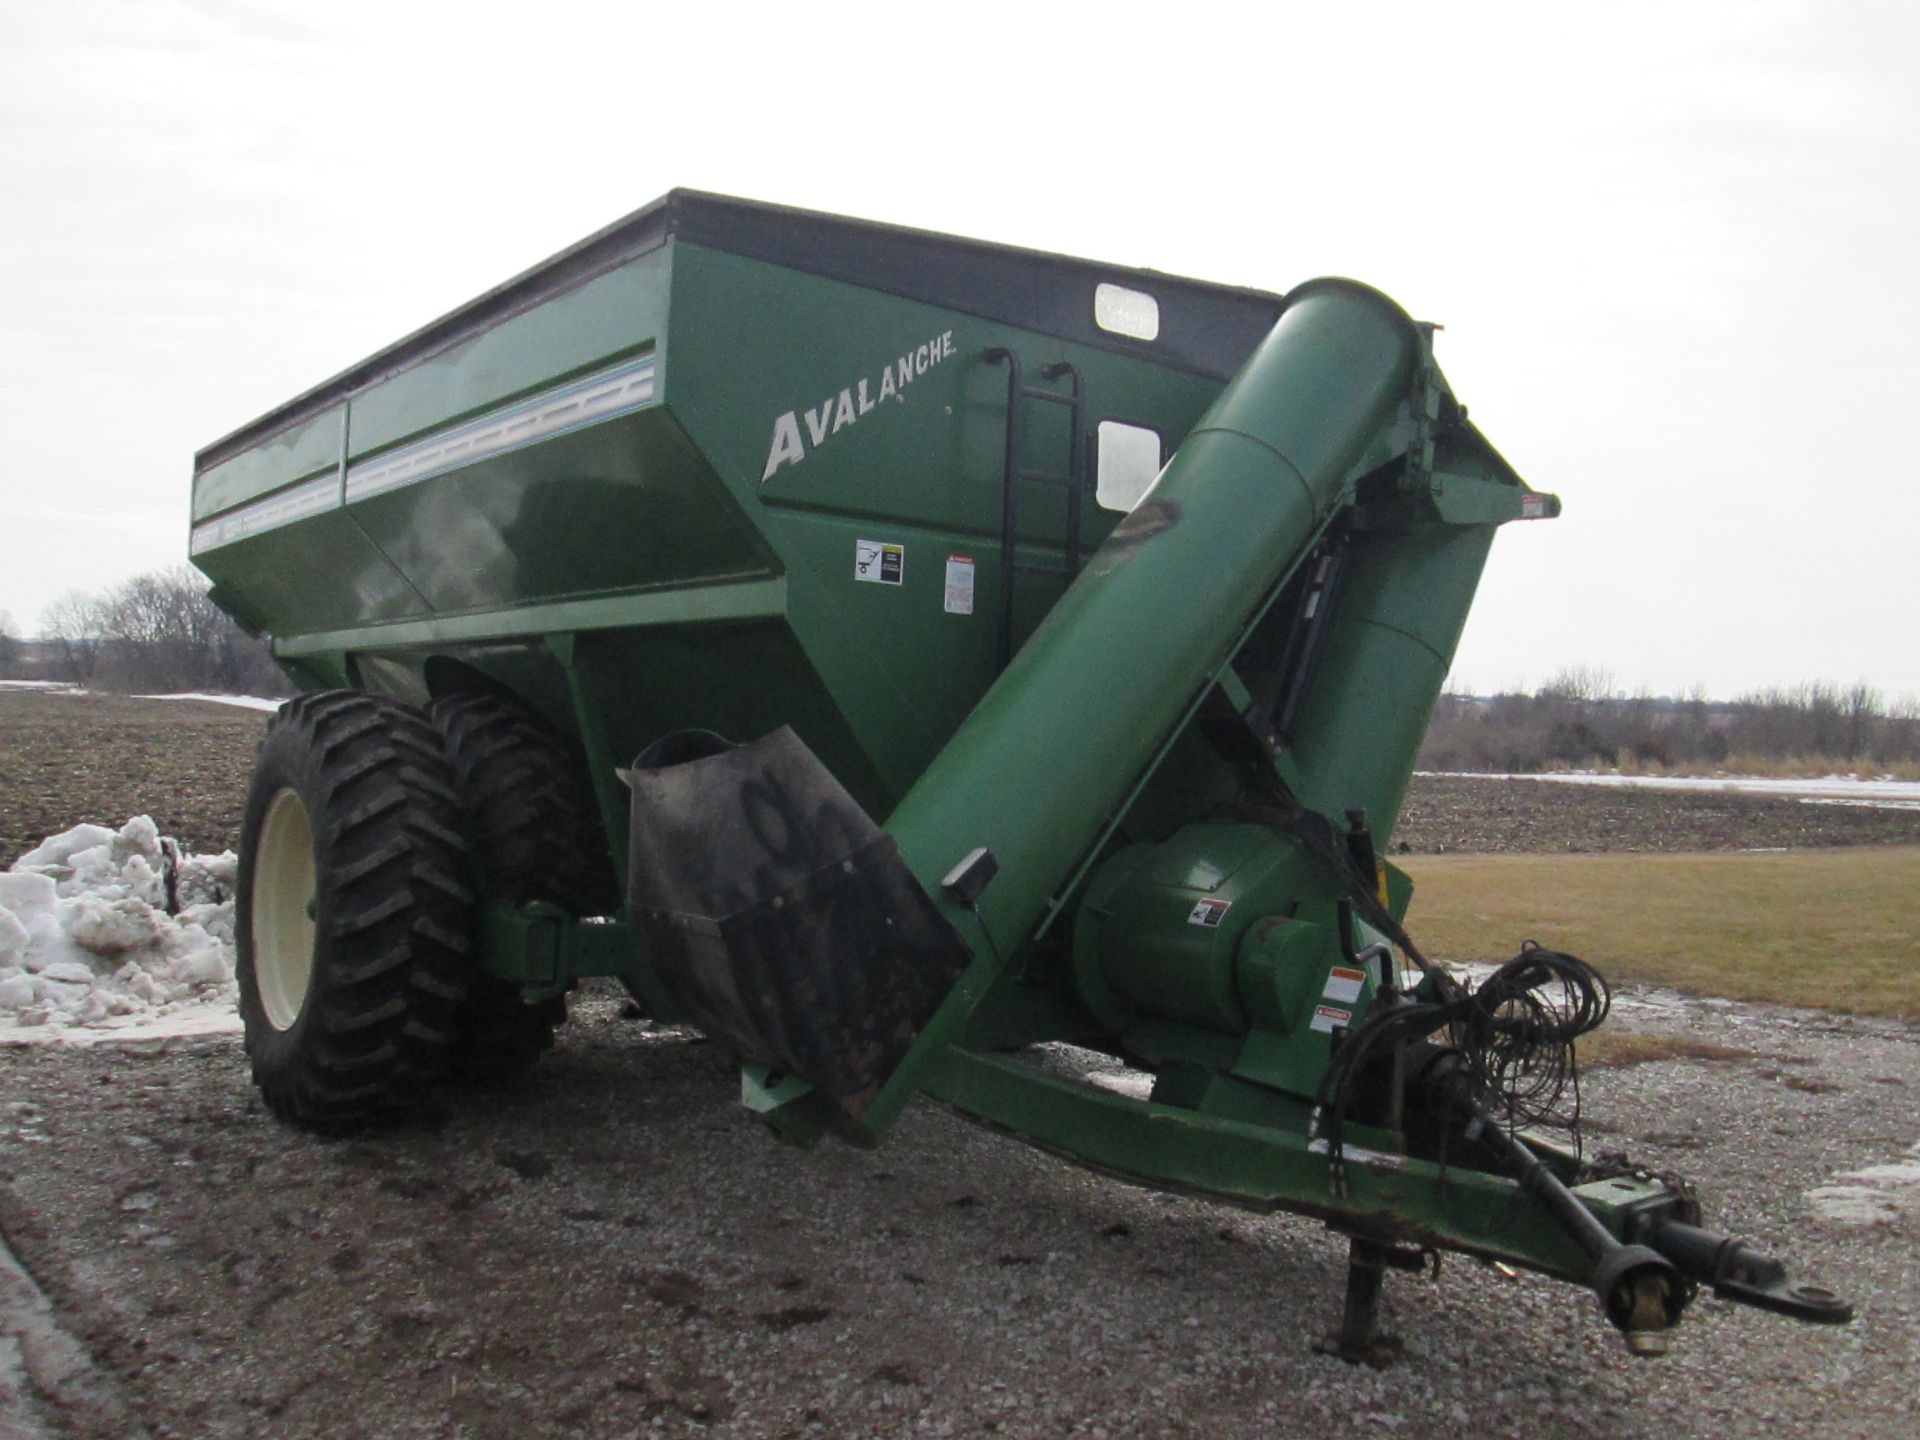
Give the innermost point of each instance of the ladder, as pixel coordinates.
(1019, 393)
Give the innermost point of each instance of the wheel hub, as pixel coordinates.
(284, 908)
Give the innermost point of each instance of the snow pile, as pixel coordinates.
(1880, 792)
(65, 687)
(104, 929)
(245, 702)
(1877, 1195)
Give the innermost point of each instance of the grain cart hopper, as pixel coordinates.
(908, 659)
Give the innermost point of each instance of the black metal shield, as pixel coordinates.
(780, 914)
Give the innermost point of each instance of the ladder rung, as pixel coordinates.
(1041, 477)
(1026, 568)
(1058, 399)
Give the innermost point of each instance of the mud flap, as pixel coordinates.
(780, 914)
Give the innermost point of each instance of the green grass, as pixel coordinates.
(1830, 929)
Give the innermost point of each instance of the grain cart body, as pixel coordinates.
(966, 652)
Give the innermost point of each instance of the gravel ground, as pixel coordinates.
(615, 1248)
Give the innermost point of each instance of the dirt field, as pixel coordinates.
(614, 1248)
(68, 758)
(1450, 814)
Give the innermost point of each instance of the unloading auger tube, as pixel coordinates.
(727, 470)
(1021, 821)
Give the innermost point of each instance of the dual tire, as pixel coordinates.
(536, 836)
(371, 831)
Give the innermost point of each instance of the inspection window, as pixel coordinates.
(1132, 313)
(1127, 461)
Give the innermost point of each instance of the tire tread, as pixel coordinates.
(533, 825)
(396, 918)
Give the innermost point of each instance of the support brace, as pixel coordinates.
(1358, 1340)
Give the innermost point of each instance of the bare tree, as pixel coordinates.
(159, 631)
(9, 642)
(147, 629)
(1585, 684)
(1861, 710)
(1900, 732)
(163, 630)
(1576, 719)
(71, 625)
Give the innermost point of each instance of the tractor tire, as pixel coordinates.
(530, 815)
(354, 912)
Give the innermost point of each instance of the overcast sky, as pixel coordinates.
(1672, 245)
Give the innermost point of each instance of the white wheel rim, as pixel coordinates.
(283, 898)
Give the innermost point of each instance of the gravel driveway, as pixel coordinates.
(614, 1248)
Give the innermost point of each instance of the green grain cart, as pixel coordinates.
(906, 659)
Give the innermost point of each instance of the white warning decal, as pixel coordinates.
(1327, 1017)
(1209, 913)
(959, 585)
(1343, 985)
(879, 561)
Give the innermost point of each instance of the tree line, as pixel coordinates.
(159, 631)
(162, 632)
(1578, 720)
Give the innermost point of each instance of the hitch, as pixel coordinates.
(1744, 1275)
(1643, 1284)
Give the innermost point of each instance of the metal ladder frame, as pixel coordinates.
(1073, 482)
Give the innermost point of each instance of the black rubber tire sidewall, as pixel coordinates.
(394, 910)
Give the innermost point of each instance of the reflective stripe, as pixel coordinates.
(583, 402)
(309, 498)
(567, 407)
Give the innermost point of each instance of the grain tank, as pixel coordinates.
(915, 663)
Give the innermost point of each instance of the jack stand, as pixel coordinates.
(1357, 1341)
